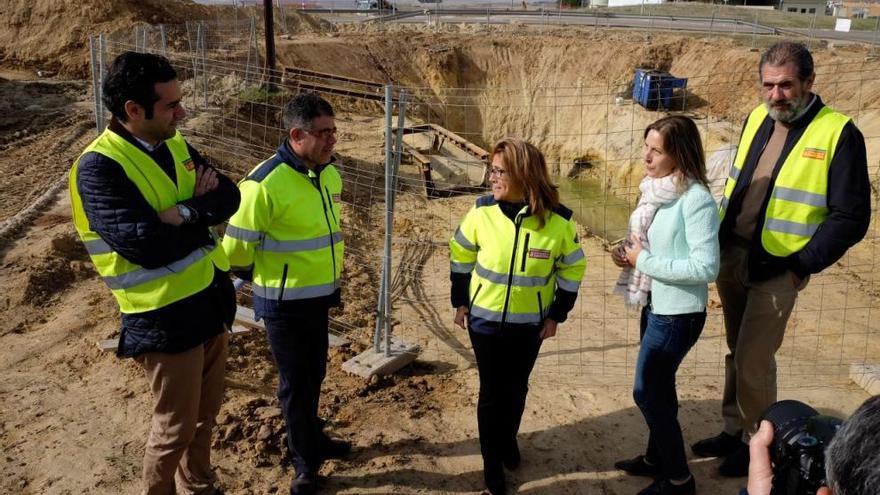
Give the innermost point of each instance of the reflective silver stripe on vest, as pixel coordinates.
(565, 284)
(734, 173)
(784, 226)
(97, 246)
(724, 203)
(461, 267)
(242, 234)
(573, 257)
(144, 275)
(798, 196)
(490, 315)
(463, 242)
(518, 280)
(241, 268)
(294, 293)
(277, 246)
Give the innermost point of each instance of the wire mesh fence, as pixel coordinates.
(592, 136)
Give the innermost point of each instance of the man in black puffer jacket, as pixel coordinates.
(144, 202)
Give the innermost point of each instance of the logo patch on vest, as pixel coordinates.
(814, 153)
(539, 254)
(188, 164)
(337, 198)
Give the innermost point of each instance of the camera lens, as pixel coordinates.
(807, 441)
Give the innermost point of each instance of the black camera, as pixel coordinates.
(800, 436)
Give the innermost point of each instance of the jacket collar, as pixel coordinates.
(116, 127)
(288, 156)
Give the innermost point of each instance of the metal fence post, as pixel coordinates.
(203, 57)
(755, 32)
(812, 25)
(163, 42)
(391, 187)
(383, 286)
(398, 148)
(102, 61)
(193, 47)
(95, 83)
(873, 52)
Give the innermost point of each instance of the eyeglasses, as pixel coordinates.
(495, 171)
(324, 133)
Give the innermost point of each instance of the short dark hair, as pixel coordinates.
(852, 461)
(303, 109)
(133, 76)
(786, 52)
(681, 139)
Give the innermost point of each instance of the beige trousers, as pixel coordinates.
(755, 316)
(188, 390)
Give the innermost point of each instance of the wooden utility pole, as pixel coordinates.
(271, 73)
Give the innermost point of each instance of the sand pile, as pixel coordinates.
(300, 23)
(53, 34)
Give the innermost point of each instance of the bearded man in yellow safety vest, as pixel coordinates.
(797, 198)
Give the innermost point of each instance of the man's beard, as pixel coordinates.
(794, 109)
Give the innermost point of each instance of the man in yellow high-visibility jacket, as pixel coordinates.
(143, 203)
(287, 239)
(797, 198)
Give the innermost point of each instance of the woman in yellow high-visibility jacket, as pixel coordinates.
(516, 265)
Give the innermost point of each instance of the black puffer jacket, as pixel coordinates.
(118, 212)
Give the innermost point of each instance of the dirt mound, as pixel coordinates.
(252, 427)
(53, 34)
(52, 272)
(300, 23)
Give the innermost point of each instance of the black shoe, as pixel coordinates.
(334, 449)
(717, 446)
(494, 478)
(638, 466)
(304, 484)
(665, 487)
(511, 457)
(736, 465)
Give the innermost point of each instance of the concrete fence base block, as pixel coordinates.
(866, 376)
(244, 322)
(370, 363)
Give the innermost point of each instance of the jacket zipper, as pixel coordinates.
(283, 283)
(330, 200)
(317, 183)
(510, 269)
(540, 307)
(525, 253)
(474, 299)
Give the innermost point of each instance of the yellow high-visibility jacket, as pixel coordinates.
(138, 289)
(516, 267)
(287, 231)
(798, 200)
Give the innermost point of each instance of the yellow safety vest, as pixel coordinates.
(515, 265)
(287, 231)
(798, 201)
(138, 289)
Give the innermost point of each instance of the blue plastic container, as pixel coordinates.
(654, 89)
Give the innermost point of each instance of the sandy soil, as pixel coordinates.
(73, 419)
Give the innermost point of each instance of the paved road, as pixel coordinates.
(636, 22)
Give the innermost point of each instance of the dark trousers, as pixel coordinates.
(504, 363)
(299, 346)
(665, 341)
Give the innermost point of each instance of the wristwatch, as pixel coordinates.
(187, 213)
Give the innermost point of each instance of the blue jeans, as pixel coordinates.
(665, 341)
